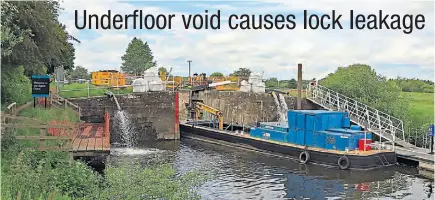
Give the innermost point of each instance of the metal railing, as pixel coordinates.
(419, 137)
(380, 123)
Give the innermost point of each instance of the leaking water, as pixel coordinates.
(125, 127)
(123, 123)
(284, 107)
(280, 107)
(133, 151)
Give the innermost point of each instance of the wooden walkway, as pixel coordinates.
(91, 140)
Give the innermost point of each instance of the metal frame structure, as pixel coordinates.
(380, 123)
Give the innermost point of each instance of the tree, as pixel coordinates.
(78, 72)
(414, 85)
(15, 86)
(33, 42)
(243, 72)
(39, 41)
(137, 58)
(163, 70)
(292, 84)
(271, 82)
(361, 82)
(11, 34)
(217, 74)
(149, 54)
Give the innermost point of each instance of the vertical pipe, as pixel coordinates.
(298, 101)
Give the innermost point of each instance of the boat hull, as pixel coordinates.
(361, 162)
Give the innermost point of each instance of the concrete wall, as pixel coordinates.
(242, 107)
(154, 114)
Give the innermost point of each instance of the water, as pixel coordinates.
(284, 107)
(281, 106)
(278, 107)
(242, 174)
(125, 128)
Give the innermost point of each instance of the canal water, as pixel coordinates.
(243, 174)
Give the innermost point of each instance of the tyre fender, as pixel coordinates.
(343, 162)
(304, 157)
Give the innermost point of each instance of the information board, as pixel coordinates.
(40, 85)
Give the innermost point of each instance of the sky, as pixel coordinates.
(275, 52)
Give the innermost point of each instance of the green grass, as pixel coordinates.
(81, 90)
(46, 115)
(421, 108)
(31, 174)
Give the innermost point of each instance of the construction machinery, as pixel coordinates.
(197, 109)
(201, 107)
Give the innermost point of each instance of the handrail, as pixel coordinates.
(11, 105)
(380, 112)
(12, 108)
(372, 118)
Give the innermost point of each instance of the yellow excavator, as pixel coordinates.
(199, 107)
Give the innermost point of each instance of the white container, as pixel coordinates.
(259, 88)
(156, 86)
(255, 78)
(245, 86)
(139, 85)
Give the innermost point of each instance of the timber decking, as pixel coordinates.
(91, 139)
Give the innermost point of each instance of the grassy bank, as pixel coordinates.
(31, 174)
(421, 104)
(74, 90)
(421, 108)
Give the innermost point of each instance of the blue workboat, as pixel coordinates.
(311, 136)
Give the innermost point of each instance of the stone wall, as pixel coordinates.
(242, 107)
(154, 115)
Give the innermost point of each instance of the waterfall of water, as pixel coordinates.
(284, 107)
(278, 107)
(125, 128)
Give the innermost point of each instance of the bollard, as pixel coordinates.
(431, 145)
(299, 97)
